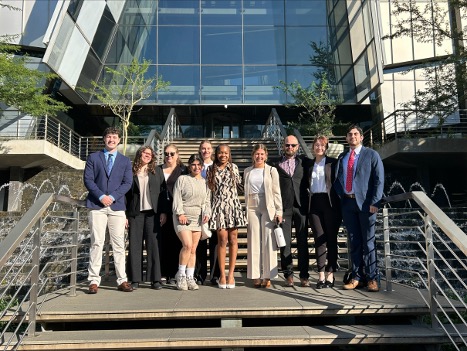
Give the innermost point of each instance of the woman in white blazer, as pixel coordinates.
(264, 208)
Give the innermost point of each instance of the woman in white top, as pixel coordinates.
(325, 214)
(264, 209)
(191, 208)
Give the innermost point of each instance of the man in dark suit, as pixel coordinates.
(359, 184)
(294, 194)
(108, 177)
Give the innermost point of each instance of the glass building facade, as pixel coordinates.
(219, 52)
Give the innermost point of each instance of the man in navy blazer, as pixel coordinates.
(360, 192)
(108, 177)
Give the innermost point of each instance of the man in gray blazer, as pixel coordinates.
(359, 183)
(108, 177)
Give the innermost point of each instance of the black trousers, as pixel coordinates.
(170, 246)
(201, 269)
(297, 218)
(325, 222)
(144, 232)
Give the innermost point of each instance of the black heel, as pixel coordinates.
(329, 284)
(320, 284)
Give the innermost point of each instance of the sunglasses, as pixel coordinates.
(167, 154)
(290, 145)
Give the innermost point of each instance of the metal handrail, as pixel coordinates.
(172, 130)
(274, 129)
(403, 124)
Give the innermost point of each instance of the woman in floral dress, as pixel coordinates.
(226, 210)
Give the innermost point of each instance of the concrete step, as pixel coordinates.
(236, 337)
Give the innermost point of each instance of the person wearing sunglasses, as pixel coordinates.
(170, 245)
(143, 218)
(191, 209)
(294, 193)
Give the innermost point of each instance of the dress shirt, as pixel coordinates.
(345, 161)
(288, 165)
(318, 178)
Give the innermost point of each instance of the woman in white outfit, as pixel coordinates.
(264, 208)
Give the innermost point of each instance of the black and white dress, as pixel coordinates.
(226, 208)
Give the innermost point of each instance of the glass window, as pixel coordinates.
(221, 45)
(103, 34)
(221, 12)
(178, 12)
(305, 12)
(264, 45)
(184, 84)
(298, 39)
(186, 49)
(90, 72)
(260, 82)
(74, 8)
(302, 74)
(263, 12)
(221, 84)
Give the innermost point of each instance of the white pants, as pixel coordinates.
(99, 220)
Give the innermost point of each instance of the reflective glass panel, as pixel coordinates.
(174, 12)
(103, 34)
(184, 84)
(263, 12)
(305, 12)
(221, 12)
(260, 82)
(221, 84)
(264, 45)
(298, 40)
(186, 49)
(221, 45)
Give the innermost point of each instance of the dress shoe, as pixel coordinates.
(351, 285)
(221, 285)
(93, 289)
(135, 285)
(304, 282)
(321, 284)
(257, 283)
(330, 284)
(289, 281)
(156, 285)
(125, 287)
(362, 284)
(373, 286)
(266, 283)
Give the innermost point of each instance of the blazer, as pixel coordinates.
(368, 182)
(294, 188)
(330, 175)
(272, 190)
(156, 183)
(99, 183)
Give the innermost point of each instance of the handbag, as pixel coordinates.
(279, 233)
(205, 231)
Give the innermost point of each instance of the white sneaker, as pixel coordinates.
(181, 282)
(191, 282)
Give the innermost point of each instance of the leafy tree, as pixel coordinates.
(445, 75)
(316, 102)
(124, 89)
(22, 87)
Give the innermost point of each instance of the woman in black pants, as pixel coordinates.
(325, 214)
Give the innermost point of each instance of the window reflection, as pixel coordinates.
(221, 84)
(221, 45)
(264, 45)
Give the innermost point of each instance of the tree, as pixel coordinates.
(124, 89)
(22, 87)
(317, 102)
(445, 75)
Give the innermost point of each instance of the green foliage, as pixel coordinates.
(445, 76)
(124, 88)
(23, 88)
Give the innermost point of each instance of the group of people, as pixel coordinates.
(165, 206)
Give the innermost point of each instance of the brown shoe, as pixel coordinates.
(373, 286)
(351, 285)
(289, 281)
(125, 287)
(304, 283)
(266, 283)
(93, 289)
(362, 284)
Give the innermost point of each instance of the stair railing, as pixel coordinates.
(273, 129)
(432, 257)
(172, 129)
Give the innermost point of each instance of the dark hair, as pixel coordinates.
(355, 126)
(211, 173)
(137, 163)
(323, 139)
(112, 130)
(195, 157)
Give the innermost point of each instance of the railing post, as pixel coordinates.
(387, 250)
(74, 254)
(395, 127)
(34, 279)
(432, 290)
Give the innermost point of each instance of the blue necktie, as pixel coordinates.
(110, 163)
